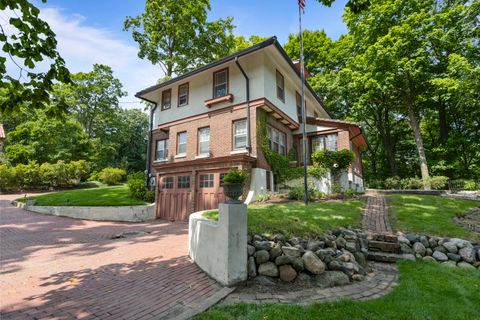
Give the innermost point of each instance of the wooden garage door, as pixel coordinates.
(209, 190)
(174, 196)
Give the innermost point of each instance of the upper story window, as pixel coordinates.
(162, 149)
(280, 86)
(298, 100)
(182, 143)
(277, 140)
(183, 95)
(166, 99)
(240, 134)
(220, 83)
(204, 140)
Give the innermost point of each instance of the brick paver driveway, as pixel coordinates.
(61, 268)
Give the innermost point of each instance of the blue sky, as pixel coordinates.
(90, 31)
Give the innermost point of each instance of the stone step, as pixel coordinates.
(388, 257)
(384, 237)
(383, 246)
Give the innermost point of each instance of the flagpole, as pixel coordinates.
(304, 115)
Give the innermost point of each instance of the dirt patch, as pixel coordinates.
(470, 220)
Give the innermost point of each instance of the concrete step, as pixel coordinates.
(382, 246)
(387, 257)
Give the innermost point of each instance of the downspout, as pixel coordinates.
(247, 82)
(149, 145)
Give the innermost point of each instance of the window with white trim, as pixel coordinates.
(204, 141)
(167, 183)
(240, 134)
(220, 83)
(183, 95)
(277, 140)
(162, 149)
(280, 86)
(166, 99)
(182, 143)
(332, 142)
(318, 143)
(206, 180)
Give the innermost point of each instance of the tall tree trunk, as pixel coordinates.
(420, 149)
(442, 120)
(384, 130)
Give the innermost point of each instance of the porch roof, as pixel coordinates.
(357, 134)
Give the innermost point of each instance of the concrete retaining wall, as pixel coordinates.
(123, 213)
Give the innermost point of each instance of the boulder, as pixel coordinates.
(467, 254)
(424, 241)
(358, 277)
(291, 251)
(454, 257)
(297, 264)
(251, 267)
(340, 242)
(335, 265)
(351, 246)
(344, 258)
(280, 261)
(433, 242)
(441, 249)
(408, 256)
(313, 263)
(402, 239)
(268, 269)
(429, 258)
(249, 239)
(330, 244)
(428, 252)
(315, 245)
(323, 253)
(439, 256)
(360, 258)
(257, 237)
(465, 265)
(263, 245)
(276, 251)
(331, 279)
(262, 256)
(250, 250)
(294, 241)
(287, 273)
(450, 246)
(406, 248)
(460, 243)
(264, 281)
(451, 264)
(412, 238)
(419, 248)
(363, 243)
(279, 237)
(303, 280)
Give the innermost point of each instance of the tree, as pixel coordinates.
(27, 41)
(176, 35)
(242, 43)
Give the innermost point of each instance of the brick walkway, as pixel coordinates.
(375, 218)
(61, 268)
(374, 286)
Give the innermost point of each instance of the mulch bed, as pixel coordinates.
(470, 221)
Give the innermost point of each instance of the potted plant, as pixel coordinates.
(233, 183)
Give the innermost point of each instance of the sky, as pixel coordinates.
(91, 31)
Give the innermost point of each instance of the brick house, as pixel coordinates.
(205, 122)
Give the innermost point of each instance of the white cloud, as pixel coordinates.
(82, 45)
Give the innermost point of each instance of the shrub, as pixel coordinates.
(412, 183)
(438, 182)
(263, 197)
(469, 185)
(235, 175)
(393, 183)
(321, 195)
(296, 193)
(111, 176)
(350, 192)
(333, 160)
(7, 178)
(138, 189)
(376, 184)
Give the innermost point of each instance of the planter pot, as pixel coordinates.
(233, 191)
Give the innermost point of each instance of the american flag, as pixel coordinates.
(301, 4)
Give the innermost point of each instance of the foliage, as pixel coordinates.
(334, 161)
(420, 283)
(241, 43)
(262, 197)
(137, 185)
(412, 183)
(111, 176)
(393, 183)
(234, 175)
(176, 35)
(438, 182)
(297, 193)
(100, 196)
(47, 175)
(470, 185)
(350, 192)
(29, 42)
(430, 215)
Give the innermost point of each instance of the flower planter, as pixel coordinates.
(233, 191)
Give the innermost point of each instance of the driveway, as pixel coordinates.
(61, 268)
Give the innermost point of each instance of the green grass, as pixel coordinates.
(426, 291)
(101, 196)
(430, 215)
(296, 219)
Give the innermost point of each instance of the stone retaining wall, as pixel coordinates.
(121, 213)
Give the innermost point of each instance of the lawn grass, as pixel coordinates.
(426, 291)
(101, 196)
(430, 215)
(296, 219)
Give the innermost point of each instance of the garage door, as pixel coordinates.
(174, 196)
(209, 190)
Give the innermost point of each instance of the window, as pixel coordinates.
(204, 140)
(318, 143)
(206, 180)
(280, 87)
(183, 95)
(162, 149)
(332, 142)
(183, 182)
(277, 140)
(166, 99)
(222, 175)
(269, 182)
(182, 143)
(220, 83)
(298, 99)
(167, 183)
(240, 134)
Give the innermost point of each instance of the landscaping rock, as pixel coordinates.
(265, 281)
(250, 250)
(330, 279)
(402, 239)
(433, 242)
(335, 265)
(330, 244)
(408, 256)
(303, 280)
(404, 248)
(428, 252)
(279, 237)
(262, 256)
(315, 245)
(323, 253)
(249, 239)
(276, 251)
(291, 251)
(341, 243)
(287, 273)
(312, 263)
(363, 243)
(360, 258)
(263, 245)
(419, 248)
(351, 246)
(439, 256)
(251, 267)
(460, 243)
(280, 261)
(268, 269)
(297, 264)
(429, 258)
(358, 277)
(294, 241)
(257, 237)
(454, 257)
(450, 246)
(465, 265)
(441, 249)
(350, 268)
(344, 258)
(300, 247)
(468, 254)
(424, 241)
(451, 264)
(412, 238)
